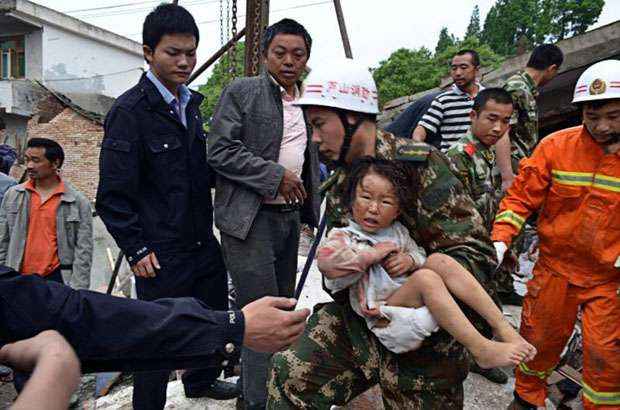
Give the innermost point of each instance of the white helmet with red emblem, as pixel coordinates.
(344, 84)
(600, 81)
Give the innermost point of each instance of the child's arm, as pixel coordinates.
(409, 257)
(338, 256)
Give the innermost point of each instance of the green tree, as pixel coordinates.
(473, 29)
(572, 17)
(219, 78)
(445, 40)
(488, 57)
(537, 21)
(405, 72)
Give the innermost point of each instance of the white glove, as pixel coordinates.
(407, 329)
(500, 250)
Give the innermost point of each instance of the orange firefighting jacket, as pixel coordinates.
(576, 187)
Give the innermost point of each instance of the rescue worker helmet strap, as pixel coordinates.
(349, 131)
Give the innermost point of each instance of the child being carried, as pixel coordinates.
(395, 287)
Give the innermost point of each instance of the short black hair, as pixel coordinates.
(286, 26)
(475, 57)
(545, 55)
(394, 171)
(53, 150)
(497, 94)
(167, 18)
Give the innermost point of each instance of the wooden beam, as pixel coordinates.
(216, 56)
(343, 29)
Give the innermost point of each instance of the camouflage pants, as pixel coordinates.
(338, 358)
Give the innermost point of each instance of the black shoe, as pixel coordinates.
(494, 375)
(511, 298)
(219, 390)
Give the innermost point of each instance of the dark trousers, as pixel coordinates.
(199, 273)
(19, 378)
(264, 264)
(110, 333)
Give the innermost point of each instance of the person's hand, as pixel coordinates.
(292, 188)
(25, 354)
(398, 263)
(500, 251)
(55, 370)
(270, 326)
(146, 267)
(507, 181)
(377, 253)
(360, 287)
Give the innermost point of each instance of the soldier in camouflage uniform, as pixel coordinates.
(338, 358)
(541, 68)
(472, 158)
(473, 161)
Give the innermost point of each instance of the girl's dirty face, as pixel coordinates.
(375, 205)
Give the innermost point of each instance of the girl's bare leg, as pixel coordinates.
(466, 288)
(426, 288)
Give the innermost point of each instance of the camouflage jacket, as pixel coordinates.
(442, 217)
(473, 162)
(524, 121)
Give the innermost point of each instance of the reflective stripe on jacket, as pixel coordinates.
(576, 187)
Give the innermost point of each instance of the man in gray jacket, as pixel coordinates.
(45, 223)
(267, 183)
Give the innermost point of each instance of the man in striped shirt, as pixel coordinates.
(448, 114)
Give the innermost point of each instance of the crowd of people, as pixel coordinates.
(423, 232)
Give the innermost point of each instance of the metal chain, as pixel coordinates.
(232, 58)
(221, 23)
(258, 5)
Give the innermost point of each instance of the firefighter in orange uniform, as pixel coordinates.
(573, 180)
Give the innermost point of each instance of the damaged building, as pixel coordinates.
(58, 78)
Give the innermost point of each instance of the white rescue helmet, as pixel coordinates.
(344, 84)
(600, 81)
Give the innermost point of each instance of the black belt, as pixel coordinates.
(281, 207)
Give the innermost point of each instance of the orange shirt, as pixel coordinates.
(41, 253)
(576, 186)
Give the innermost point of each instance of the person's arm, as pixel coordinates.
(419, 133)
(228, 155)
(167, 334)
(4, 232)
(338, 257)
(56, 372)
(526, 195)
(83, 253)
(119, 186)
(504, 163)
(448, 221)
(430, 122)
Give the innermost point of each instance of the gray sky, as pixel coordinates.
(376, 28)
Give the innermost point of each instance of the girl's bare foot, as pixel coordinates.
(506, 333)
(498, 354)
(509, 334)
